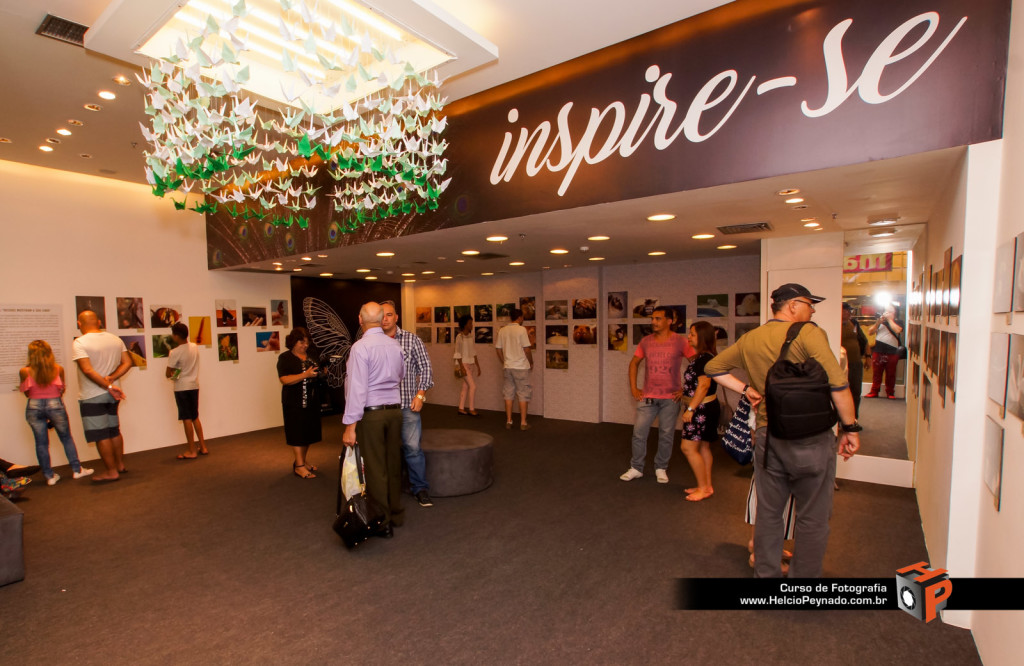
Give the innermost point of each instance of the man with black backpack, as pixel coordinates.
(797, 386)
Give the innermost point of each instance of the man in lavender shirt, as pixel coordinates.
(373, 413)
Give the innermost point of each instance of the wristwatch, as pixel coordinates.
(422, 397)
(690, 409)
(852, 427)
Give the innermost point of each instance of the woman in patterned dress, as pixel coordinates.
(700, 420)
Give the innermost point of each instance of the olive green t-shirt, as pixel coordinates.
(758, 349)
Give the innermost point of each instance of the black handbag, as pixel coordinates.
(360, 517)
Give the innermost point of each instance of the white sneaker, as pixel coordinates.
(661, 475)
(631, 474)
(82, 474)
(52, 481)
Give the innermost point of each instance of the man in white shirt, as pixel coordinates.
(101, 358)
(516, 356)
(183, 368)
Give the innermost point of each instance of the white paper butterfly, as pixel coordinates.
(331, 337)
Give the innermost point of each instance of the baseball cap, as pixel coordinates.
(791, 290)
(847, 306)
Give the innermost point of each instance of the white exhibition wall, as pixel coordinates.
(595, 386)
(68, 235)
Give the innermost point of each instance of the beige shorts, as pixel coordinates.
(517, 383)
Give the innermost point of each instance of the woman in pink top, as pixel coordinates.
(42, 380)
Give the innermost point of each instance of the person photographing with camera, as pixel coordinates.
(885, 355)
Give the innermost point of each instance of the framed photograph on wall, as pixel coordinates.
(998, 355)
(130, 313)
(678, 318)
(1015, 377)
(251, 316)
(954, 289)
(165, 316)
(1002, 294)
(136, 346)
(1018, 272)
(556, 336)
(503, 311)
(748, 304)
(460, 311)
(556, 359)
(483, 313)
(740, 328)
(617, 304)
(531, 332)
(442, 314)
(712, 305)
(444, 335)
(227, 347)
(484, 335)
(584, 334)
(618, 337)
(915, 379)
(940, 378)
(951, 365)
(992, 460)
(640, 331)
(556, 310)
(947, 272)
(227, 313)
(423, 316)
(926, 399)
(528, 304)
(584, 308)
(423, 333)
(643, 308)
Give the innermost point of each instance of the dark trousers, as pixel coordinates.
(855, 375)
(379, 434)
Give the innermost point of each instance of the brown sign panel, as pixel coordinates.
(753, 89)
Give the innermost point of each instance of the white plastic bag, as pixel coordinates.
(350, 474)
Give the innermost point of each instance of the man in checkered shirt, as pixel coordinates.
(419, 378)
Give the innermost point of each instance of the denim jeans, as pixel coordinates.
(36, 413)
(667, 412)
(415, 461)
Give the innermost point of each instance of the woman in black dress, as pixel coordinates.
(299, 399)
(700, 420)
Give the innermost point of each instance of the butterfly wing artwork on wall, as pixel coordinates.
(331, 337)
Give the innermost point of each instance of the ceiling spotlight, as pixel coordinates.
(371, 277)
(656, 253)
(702, 236)
(322, 256)
(726, 247)
(460, 261)
(75, 123)
(800, 207)
(808, 219)
(277, 263)
(46, 149)
(122, 80)
(385, 254)
(428, 272)
(661, 217)
(327, 275)
(558, 250)
(307, 258)
(595, 258)
(408, 274)
(296, 270)
(4, 139)
(362, 270)
(487, 274)
(409, 280)
(517, 263)
(93, 107)
(497, 239)
(795, 200)
(811, 224)
(278, 269)
(882, 221)
(471, 253)
(64, 132)
(106, 94)
(882, 233)
(446, 277)
(53, 141)
(86, 156)
(788, 192)
(598, 238)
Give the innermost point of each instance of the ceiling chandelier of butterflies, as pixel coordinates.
(349, 105)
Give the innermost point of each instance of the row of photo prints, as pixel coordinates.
(935, 297)
(132, 314)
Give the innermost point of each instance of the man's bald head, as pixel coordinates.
(88, 321)
(370, 315)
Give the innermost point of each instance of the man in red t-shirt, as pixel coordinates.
(663, 352)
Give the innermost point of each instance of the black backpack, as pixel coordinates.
(798, 395)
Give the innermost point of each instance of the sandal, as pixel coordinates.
(307, 475)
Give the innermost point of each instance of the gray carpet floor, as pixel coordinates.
(230, 559)
(884, 424)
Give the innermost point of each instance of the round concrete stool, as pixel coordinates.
(459, 462)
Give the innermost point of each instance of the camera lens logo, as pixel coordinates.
(923, 591)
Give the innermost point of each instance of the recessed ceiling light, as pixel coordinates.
(881, 233)
(428, 272)
(800, 207)
(702, 236)
(598, 238)
(408, 274)
(726, 247)
(93, 107)
(446, 277)
(808, 219)
(795, 200)
(362, 270)
(811, 224)
(296, 270)
(277, 263)
(487, 274)
(882, 221)
(655, 253)
(471, 253)
(596, 259)
(327, 275)
(385, 254)
(371, 277)
(497, 239)
(661, 217)
(122, 80)
(322, 256)
(307, 258)
(559, 250)
(53, 141)
(64, 132)
(278, 269)
(517, 263)
(106, 94)
(46, 149)
(409, 280)
(75, 123)
(4, 139)
(788, 192)
(460, 261)
(86, 156)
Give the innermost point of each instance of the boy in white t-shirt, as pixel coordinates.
(183, 368)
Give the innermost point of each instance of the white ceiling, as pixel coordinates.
(52, 81)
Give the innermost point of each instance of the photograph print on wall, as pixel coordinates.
(227, 347)
(556, 336)
(423, 316)
(618, 337)
(617, 304)
(992, 460)
(556, 310)
(503, 311)
(442, 314)
(643, 308)
(640, 331)
(463, 311)
(999, 353)
(97, 304)
(712, 305)
(254, 316)
(165, 316)
(748, 304)
(199, 331)
(278, 312)
(136, 345)
(483, 313)
(444, 334)
(584, 334)
(584, 308)
(528, 304)
(556, 359)
(130, 313)
(484, 335)
(1018, 272)
(531, 332)
(423, 333)
(1015, 377)
(678, 324)
(954, 287)
(1002, 296)
(227, 313)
